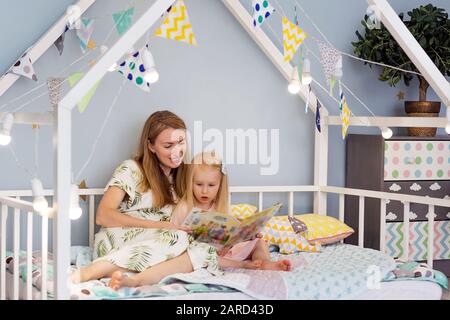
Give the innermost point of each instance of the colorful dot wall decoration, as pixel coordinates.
(419, 160)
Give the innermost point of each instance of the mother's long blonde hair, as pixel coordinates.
(202, 160)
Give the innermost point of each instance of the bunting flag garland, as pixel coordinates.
(307, 99)
(85, 32)
(123, 20)
(332, 84)
(262, 10)
(329, 57)
(83, 185)
(318, 115)
(176, 25)
(83, 103)
(293, 37)
(133, 69)
(24, 67)
(345, 113)
(54, 89)
(59, 43)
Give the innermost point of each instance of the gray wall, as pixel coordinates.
(226, 82)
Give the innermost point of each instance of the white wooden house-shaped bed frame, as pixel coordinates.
(61, 121)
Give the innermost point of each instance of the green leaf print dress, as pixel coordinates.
(138, 249)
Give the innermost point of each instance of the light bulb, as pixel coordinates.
(5, 133)
(75, 213)
(447, 128)
(4, 139)
(386, 133)
(294, 84)
(40, 204)
(306, 72)
(75, 210)
(151, 75)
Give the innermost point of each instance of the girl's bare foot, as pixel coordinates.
(252, 264)
(280, 265)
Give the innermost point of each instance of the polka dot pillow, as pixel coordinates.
(242, 211)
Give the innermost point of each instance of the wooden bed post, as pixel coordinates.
(321, 164)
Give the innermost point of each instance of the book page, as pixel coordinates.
(214, 228)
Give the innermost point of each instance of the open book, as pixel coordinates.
(221, 229)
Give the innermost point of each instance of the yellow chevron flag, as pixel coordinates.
(293, 37)
(176, 25)
(345, 118)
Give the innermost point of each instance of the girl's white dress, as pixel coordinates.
(138, 249)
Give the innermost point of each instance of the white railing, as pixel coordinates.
(19, 205)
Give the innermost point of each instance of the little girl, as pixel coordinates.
(207, 189)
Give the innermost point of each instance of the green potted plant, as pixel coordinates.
(431, 27)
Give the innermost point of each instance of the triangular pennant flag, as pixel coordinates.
(307, 99)
(318, 115)
(293, 37)
(54, 88)
(133, 69)
(123, 20)
(83, 103)
(262, 10)
(85, 32)
(332, 84)
(24, 67)
(59, 43)
(329, 57)
(176, 25)
(345, 113)
(83, 185)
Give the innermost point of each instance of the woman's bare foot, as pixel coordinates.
(76, 277)
(280, 265)
(119, 280)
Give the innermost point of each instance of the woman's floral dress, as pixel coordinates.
(138, 249)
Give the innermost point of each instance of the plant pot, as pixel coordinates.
(422, 109)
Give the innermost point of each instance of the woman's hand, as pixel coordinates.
(172, 226)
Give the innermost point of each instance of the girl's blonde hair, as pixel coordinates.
(154, 178)
(202, 160)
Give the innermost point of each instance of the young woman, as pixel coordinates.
(135, 211)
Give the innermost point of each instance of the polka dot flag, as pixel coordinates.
(262, 10)
(133, 69)
(24, 67)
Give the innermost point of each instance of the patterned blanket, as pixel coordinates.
(339, 272)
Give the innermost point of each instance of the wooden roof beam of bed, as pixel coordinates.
(413, 50)
(272, 52)
(42, 45)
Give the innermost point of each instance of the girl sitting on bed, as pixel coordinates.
(207, 189)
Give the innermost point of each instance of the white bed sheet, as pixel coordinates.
(395, 290)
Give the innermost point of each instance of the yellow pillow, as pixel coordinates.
(278, 231)
(321, 229)
(324, 229)
(242, 211)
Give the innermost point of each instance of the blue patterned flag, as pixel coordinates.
(262, 10)
(318, 115)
